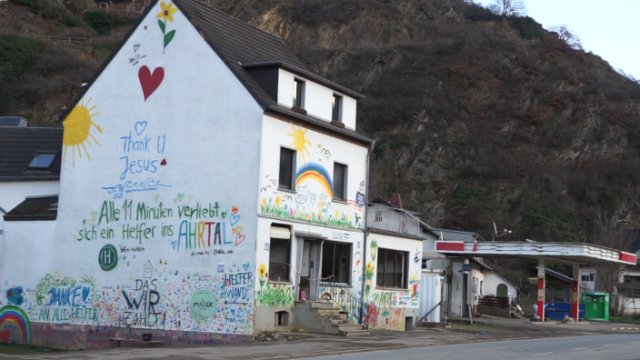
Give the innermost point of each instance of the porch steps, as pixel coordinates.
(328, 318)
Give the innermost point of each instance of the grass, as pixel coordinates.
(626, 319)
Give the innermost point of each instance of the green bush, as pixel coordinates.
(44, 9)
(103, 22)
(527, 27)
(99, 20)
(17, 55)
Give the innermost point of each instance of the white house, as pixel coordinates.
(392, 269)
(208, 181)
(29, 163)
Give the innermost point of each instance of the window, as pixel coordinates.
(298, 93)
(392, 268)
(339, 182)
(336, 262)
(336, 113)
(42, 160)
(287, 166)
(587, 277)
(279, 255)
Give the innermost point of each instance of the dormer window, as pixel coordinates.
(336, 113)
(42, 161)
(298, 93)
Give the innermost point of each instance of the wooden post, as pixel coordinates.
(575, 293)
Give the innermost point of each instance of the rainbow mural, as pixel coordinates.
(315, 172)
(14, 325)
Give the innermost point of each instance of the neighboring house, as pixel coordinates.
(464, 281)
(29, 163)
(588, 279)
(629, 291)
(392, 271)
(209, 180)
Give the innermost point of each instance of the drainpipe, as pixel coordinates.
(366, 233)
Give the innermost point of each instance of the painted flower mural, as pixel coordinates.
(167, 10)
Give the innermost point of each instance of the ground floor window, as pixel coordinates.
(336, 262)
(279, 259)
(392, 268)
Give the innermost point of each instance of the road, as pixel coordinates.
(591, 347)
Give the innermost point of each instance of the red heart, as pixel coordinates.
(5, 336)
(150, 81)
(163, 162)
(239, 239)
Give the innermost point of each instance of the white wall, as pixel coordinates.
(491, 282)
(431, 291)
(13, 193)
(317, 99)
(28, 247)
(312, 199)
(392, 305)
(182, 219)
(630, 305)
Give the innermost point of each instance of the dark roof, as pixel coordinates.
(34, 208)
(239, 44)
(307, 74)
(19, 146)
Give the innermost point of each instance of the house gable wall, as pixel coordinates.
(317, 99)
(157, 216)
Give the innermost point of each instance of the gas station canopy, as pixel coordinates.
(572, 252)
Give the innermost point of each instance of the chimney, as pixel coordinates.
(396, 200)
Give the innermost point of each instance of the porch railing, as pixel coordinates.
(348, 302)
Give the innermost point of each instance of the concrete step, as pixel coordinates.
(358, 332)
(323, 305)
(328, 312)
(349, 327)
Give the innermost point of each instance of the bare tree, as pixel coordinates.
(568, 37)
(508, 8)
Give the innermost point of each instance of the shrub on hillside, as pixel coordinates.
(103, 22)
(17, 54)
(527, 27)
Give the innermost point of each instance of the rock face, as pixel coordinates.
(477, 118)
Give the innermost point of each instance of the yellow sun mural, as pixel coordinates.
(300, 142)
(77, 130)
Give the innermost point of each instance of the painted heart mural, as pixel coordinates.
(150, 81)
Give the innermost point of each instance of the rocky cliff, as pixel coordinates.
(477, 118)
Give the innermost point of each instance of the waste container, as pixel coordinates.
(596, 305)
(558, 311)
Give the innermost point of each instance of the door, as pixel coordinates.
(309, 269)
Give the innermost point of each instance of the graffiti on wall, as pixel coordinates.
(313, 184)
(15, 327)
(142, 154)
(14, 296)
(142, 304)
(197, 229)
(390, 319)
(203, 305)
(273, 294)
(65, 299)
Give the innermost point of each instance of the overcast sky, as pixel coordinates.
(608, 28)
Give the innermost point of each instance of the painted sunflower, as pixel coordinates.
(166, 12)
(262, 271)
